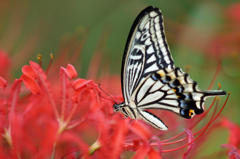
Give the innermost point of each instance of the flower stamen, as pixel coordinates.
(50, 63)
(39, 57)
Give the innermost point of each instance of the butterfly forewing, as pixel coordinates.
(146, 50)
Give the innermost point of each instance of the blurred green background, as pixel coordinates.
(196, 32)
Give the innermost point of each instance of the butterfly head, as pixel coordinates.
(116, 107)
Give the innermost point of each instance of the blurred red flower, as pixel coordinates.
(226, 42)
(69, 118)
(49, 114)
(234, 138)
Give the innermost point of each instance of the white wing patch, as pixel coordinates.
(160, 106)
(156, 86)
(151, 97)
(150, 50)
(151, 59)
(152, 120)
(151, 68)
(144, 88)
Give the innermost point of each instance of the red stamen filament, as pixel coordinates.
(203, 129)
(215, 76)
(64, 83)
(169, 143)
(49, 95)
(191, 127)
(50, 63)
(39, 57)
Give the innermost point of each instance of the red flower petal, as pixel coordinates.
(31, 84)
(3, 83)
(153, 154)
(141, 153)
(140, 129)
(4, 63)
(13, 99)
(234, 131)
(190, 139)
(118, 137)
(75, 139)
(70, 71)
(80, 84)
(233, 150)
(29, 70)
(233, 12)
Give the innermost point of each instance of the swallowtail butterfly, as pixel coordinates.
(149, 78)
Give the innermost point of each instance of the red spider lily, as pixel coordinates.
(43, 114)
(226, 42)
(233, 12)
(63, 119)
(234, 138)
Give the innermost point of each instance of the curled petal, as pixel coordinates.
(70, 71)
(79, 83)
(234, 131)
(29, 70)
(190, 139)
(233, 150)
(159, 143)
(3, 83)
(31, 84)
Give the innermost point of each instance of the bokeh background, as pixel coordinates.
(199, 33)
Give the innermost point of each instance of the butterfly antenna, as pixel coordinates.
(106, 93)
(114, 113)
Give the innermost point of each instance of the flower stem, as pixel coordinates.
(54, 148)
(95, 146)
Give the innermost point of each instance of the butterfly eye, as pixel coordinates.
(156, 76)
(115, 107)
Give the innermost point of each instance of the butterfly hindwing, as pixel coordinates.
(152, 120)
(172, 90)
(146, 50)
